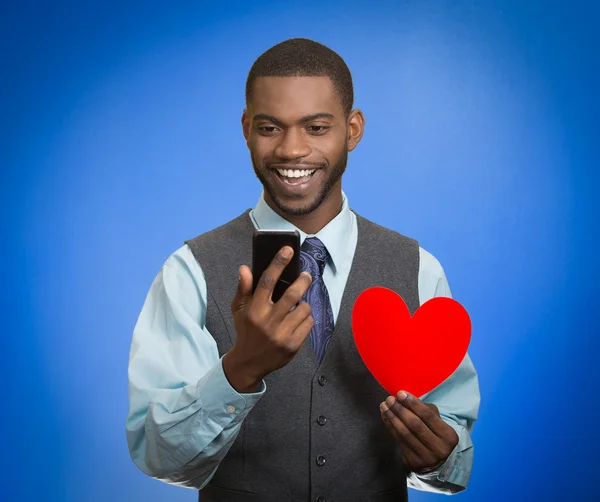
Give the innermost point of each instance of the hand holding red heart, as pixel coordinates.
(414, 352)
(426, 440)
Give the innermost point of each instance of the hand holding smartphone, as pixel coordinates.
(270, 326)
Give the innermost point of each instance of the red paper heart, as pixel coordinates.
(415, 353)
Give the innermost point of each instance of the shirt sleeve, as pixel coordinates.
(457, 399)
(183, 413)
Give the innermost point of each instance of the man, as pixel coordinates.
(250, 400)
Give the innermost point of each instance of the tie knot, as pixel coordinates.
(313, 255)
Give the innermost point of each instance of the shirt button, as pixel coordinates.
(230, 409)
(321, 499)
(322, 380)
(321, 420)
(320, 460)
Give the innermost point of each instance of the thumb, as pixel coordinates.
(244, 289)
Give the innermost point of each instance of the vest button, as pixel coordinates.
(322, 380)
(320, 460)
(321, 420)
(321, 499)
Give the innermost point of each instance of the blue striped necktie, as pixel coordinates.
(313, 256)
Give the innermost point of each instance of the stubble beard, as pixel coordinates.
(335, 175)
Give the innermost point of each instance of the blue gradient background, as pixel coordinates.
(121, 137)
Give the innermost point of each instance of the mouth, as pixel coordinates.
(295, 176)
(296, 181)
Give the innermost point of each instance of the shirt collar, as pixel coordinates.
(335, 235)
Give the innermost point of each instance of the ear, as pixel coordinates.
(246, 124)
(356, 128)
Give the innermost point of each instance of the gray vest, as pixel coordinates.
(316, 434)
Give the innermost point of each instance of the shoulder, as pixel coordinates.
(222, 232)
(385, 233)
(430, 266)
(428, 262)
(432, 278)
(181, 268)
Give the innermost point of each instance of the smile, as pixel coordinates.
(296, 182)
(295, 176)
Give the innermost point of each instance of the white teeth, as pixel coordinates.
(294, 173)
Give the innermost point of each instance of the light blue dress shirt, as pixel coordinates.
(184, 415)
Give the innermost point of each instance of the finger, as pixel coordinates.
(420, 429)
(303, 329)
(428, 414)
(412, 461)
(243, 293)
(389, 425)
(296, 317)
(404, 435)
(292, 295)
(267, 281)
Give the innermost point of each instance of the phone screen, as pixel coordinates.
(265, 245)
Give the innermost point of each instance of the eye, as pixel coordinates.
(267, 129)
(317, 129)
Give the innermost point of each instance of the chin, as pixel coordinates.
(301, 207)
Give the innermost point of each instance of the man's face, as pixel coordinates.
(297, 134)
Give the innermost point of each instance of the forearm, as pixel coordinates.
(182, 435)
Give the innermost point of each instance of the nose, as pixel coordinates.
(292, 146)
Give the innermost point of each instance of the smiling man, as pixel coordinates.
(249, 400)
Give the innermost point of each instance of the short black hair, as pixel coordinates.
(301, 57)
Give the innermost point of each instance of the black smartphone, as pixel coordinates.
(265, 245)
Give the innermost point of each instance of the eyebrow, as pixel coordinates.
(303, 120)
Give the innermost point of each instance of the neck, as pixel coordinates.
(313, 222)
